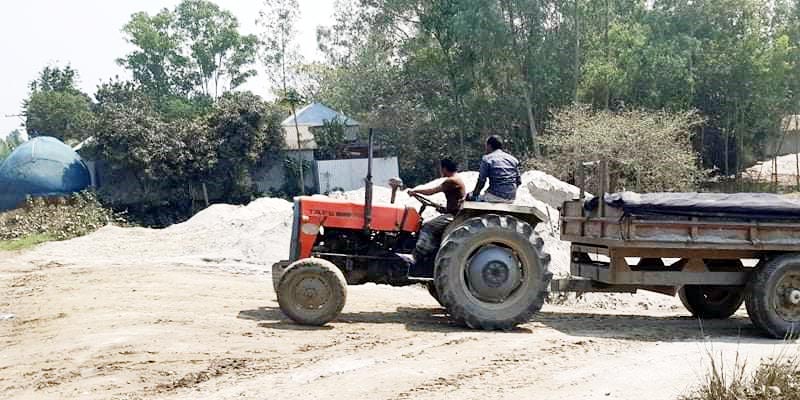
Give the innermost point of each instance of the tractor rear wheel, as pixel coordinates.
(432, 290)
(491, 272)
(773, 297)
(711, 302)
(312, 291)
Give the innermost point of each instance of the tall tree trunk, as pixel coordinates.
(577, 49)
(607, 98)
(532, 123)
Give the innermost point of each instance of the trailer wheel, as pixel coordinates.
(491, 272)
(711, 302)
(312, 291)
(773, 297)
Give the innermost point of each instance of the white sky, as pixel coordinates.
(87, 34)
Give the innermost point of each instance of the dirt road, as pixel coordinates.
(138, 329)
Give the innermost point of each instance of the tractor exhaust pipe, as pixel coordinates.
(368, 187)
(395, 184)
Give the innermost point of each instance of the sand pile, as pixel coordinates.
(787, 165)
(239, 238)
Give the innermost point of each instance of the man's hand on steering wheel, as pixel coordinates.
(426, 201)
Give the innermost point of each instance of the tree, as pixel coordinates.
(157, 63)
(217, 50)
(280, 53)
(194, 50)
(330, 139)
(293, 99)
(650, 151)
(163, 155)
(9, 143)
(56, 107)
(245, 127)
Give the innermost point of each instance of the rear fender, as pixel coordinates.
(473, 209)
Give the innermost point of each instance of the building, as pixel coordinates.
(314, 115)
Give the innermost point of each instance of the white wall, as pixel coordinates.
(306, 137)
(350, 174)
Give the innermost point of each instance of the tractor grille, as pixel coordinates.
(294, 248)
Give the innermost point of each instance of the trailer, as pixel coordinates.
(716, 251)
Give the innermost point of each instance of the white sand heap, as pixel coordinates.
(238, 238)
(763, 170)
(258, 234)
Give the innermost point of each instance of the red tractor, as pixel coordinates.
(490, 271)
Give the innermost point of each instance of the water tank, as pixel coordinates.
(42, 166)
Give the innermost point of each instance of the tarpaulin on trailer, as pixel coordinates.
(748, 206)
(42, 166)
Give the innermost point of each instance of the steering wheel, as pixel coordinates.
(426, 202)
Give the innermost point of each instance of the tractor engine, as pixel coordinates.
(335, 230)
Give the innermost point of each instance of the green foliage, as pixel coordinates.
(25, 242)
(330, 139)
(280, 54)
(195, 49)
(59, 219)
(650, 151)
(132, 136)
(293, 165)
(217, 50)
(450, 73)
(57, 108)
(9, 143)
(245, 127)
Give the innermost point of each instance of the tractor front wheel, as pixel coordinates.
(491, 272)
(312, 291)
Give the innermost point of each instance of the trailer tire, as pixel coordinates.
(491, 272)
(711, 302)
(312, 291)
(773, 297)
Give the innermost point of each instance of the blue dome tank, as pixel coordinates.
(42, 166)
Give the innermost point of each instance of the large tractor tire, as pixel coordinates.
(312, 291)
(491, 272)
(711, 302)
(772, 297)
(432, 290)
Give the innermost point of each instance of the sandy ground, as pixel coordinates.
(189, 312)
(122, 328)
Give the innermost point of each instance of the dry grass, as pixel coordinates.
(775, 378)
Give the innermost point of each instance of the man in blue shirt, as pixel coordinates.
(502, 170)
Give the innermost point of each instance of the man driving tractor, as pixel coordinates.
(454, 191)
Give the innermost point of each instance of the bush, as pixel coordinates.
(60, 219)
(648, 151)
(776, 378)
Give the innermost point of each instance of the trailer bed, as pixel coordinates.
(614, 227)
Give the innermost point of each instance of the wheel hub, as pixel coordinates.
(793, 296)
(787, 303)
(311, 293)
(493, 273)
